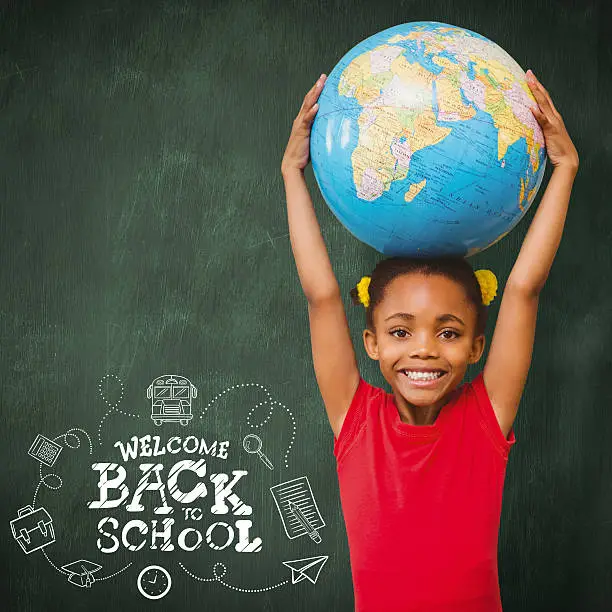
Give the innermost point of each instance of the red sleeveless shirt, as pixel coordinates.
(422, 503)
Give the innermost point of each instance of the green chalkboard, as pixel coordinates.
(153, 327)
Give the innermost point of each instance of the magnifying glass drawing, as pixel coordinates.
(252, 444)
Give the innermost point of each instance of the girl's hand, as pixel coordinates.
(559, 146)
(297, 153)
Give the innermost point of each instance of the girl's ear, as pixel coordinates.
(370, 343)
(477, 349)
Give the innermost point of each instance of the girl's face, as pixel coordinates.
(424, 322)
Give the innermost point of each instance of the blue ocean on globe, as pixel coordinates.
(424, 143)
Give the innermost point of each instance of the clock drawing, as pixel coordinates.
(154, 582)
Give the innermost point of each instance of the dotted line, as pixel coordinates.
(108, 413)
(219, 578)
(118, 572)
(101, 392)
(275, 586)
(196, 577)
(292, 431)
(35, 494)
(73, 435)
(61, 571)
(214, 399)
(263, 403)
(42, 481)
(112, 408)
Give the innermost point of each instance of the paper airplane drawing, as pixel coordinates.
(309, 568)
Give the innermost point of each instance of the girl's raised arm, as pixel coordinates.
(509, 359)
(333, 354)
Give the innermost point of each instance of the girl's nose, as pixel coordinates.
(424, 347)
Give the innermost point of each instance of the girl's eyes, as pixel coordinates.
(450, 331)
(403, 333)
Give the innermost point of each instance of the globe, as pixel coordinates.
(424, 143)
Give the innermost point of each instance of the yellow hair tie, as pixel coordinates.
(488, 285)
(486, 279)
(362, 290)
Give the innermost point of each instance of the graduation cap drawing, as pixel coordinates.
(81, 572)
(309, 568)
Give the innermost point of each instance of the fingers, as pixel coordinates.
(318, 86)
(538, 114)
(313, 95)
(541, 95)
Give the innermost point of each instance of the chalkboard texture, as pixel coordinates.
(159, 404)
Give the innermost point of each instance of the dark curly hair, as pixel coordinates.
(454, 268)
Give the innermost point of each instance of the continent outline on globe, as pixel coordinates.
(424, 144)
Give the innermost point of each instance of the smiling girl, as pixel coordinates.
(421, 469)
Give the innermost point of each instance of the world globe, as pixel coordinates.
(424, 144)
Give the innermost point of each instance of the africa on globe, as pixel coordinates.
(424, 143)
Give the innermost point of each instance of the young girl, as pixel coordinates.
(421, 470)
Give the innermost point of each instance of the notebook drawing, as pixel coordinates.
(297, 491)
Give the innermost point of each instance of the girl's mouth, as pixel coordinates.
(424, 380)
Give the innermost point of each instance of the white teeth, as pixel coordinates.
(422, 375)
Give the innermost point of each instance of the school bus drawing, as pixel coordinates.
(171, 397)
